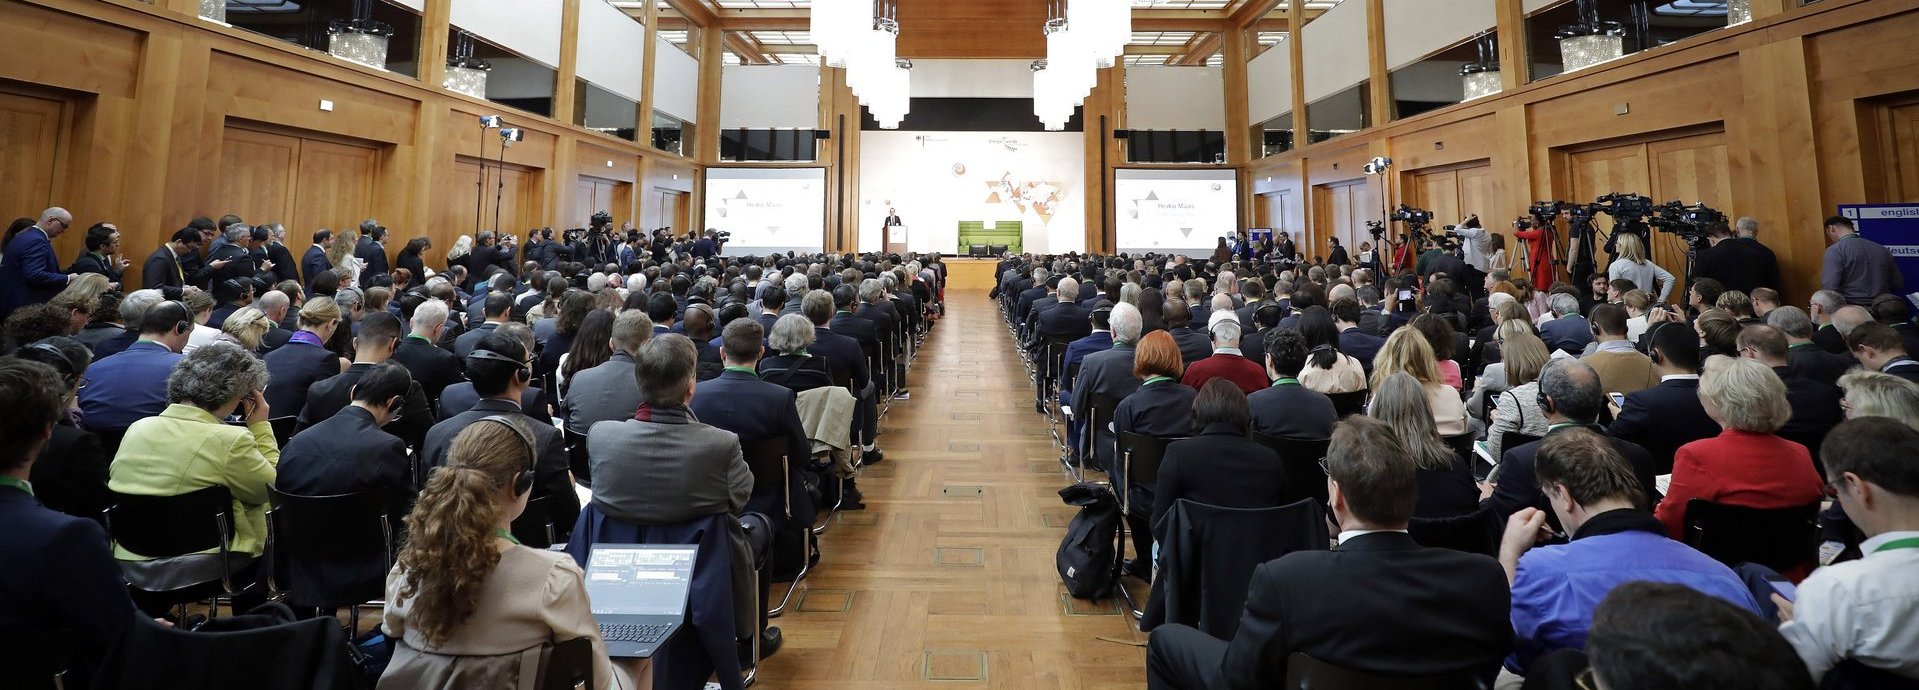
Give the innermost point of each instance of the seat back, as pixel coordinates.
(568, 666)
(1345, 404)
(766, 458)
(1225, 545)
(577, 457)
(1306, 673)
(1512, 439)
(1139, 459)
(1300, 457)
(534, 527)
(331, 527)
(1475, 532)
(166, 526)
(1779, 538)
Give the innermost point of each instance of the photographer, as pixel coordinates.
(1739, 264)
(1478, 244)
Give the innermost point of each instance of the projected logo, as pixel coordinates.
(1042, 197)
(1180, 214)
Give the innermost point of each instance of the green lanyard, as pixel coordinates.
(1285, 380)
(503, 534)
(749, 371)
(1894, 545)
(17, 483)
(1155, 379)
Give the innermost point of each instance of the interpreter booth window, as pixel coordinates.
(1273, 136)
(1460, 72)
(507, 78)
(373, 33)
(769, 145)
(673, 135)
(1338, 115)
(605, 112)
(1175, 146)
(1578, 34)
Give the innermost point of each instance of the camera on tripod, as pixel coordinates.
(1690, 223)
(1414, 218)
(1376, 228)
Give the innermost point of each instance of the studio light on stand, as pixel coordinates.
(508, 137)
(479, 188)
(362, 39)
(1377, 167)
(1481, 78)
(464, 73)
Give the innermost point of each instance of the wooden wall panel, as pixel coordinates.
(1340, 210)
(258, 172)
(334, 189)
(1901, 143)
(1479, 193)
(30, 129)
(69, 51)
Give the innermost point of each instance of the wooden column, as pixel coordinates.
(1104, 111)
(642, 194)
(1511, 31)
(565, 85)
(436, 21)
(1379, 86)
(1239, 148)
(1295, 10)
(1777, 133)
(712, 45)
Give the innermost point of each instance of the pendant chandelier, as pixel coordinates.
(862, 36)
(1082, 37)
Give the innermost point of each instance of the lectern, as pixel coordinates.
(896, 240)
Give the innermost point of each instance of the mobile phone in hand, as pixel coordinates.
(1785, 589)
(1617, 398)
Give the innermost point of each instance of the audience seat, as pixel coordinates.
(266, 649)
(1306, 673)
(1783, 539)
(171, 526)
(1304, 478)
(534, 527)
(1208, 558)
(767, 460)
(331, 551)
(1475, 532)
(709, 644)
(1345, 404)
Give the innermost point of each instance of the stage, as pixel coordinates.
(965, 273)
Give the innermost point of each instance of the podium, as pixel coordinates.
(896, 240)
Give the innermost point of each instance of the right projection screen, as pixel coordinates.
(1174, 211)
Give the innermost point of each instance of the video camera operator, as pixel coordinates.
(1477, 242)
(1738, 263)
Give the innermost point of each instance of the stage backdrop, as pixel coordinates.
(937, 179)
(768, 209)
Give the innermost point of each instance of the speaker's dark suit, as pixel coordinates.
(1663, 418)
(1378, 603)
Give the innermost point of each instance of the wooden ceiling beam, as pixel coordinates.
(1197, 50)
(749, 50)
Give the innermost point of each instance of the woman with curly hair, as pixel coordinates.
(464, 589)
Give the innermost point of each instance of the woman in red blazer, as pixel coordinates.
(1746, 464)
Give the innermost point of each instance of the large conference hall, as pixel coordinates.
(952, 344)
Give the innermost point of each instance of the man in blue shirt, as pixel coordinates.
(1614, 540)
(132, 385)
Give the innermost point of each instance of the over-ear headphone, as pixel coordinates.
(51, 355)
(522, 482)
(521, 370)
(1545, 403)
(183, 324)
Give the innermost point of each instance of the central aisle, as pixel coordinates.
(946, 580)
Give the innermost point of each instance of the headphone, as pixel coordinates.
(522, 482)
(1652, 341)
(184, 324)
(45, 352)
(521, 370)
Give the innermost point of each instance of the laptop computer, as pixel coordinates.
(638, 594)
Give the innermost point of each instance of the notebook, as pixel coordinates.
(638, 594)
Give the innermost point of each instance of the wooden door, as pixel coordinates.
(334, 187)
(30, 130)
(302, 183)
(1340, 210)
(258, 173)
(593, 194)
(1690, 169)
(1901, 136)
(1437, 192)
(507, 198)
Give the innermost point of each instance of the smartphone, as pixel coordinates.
(1785, 589)
(1617, 398)
(1405, 295)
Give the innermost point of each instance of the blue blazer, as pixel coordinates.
(61, 580)
(127, 387)
(708, 647)
(756, 410)
(1361, 346)
(1570, 333)
(30, 272)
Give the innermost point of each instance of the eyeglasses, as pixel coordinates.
(1585, 680)
(83, 383)
(1323, 467)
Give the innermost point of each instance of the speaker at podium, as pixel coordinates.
(896, 236)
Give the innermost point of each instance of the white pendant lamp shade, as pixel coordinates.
(862, 37)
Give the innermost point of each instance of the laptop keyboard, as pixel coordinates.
(633, 632)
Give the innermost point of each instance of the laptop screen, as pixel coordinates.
(639, 580)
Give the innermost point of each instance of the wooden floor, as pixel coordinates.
(946, 580)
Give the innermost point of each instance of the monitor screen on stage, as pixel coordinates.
(767, 210)
(1175, 211)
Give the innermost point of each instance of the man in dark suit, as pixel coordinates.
(1378, 603)
(755, 410)
(1666, 416)
(495, 309)
(434, 368)
(1042, 286)
(1815, 404)
(1029, 322)
(314, 262)
(606, 392)
(233, 260)
(1569, 394)
(1354, 340)
(165, 269)
(873, 308)
(500, 369)
(1370, 316)
(1806, 359)
(372, 250)
(845, 298)
(65, 600)
(1568, 332)
(31, 272)
(102, 253)
(1108, 373)
(379, 335)
(350, 452)
(844, 354)
(1288, 409)
(1063, 320)
(1194, 343)
(276, 250)
(275, 305)
(1879, 348)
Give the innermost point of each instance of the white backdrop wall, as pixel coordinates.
(612, 49)
(972, 79)
(937, 179)
(769, 96)
(1269, 83)
(1418, 28)
(1334, 51)
(676, 82)
(527, 27)
(1187, 98)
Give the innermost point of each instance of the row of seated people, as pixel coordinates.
(648, 450)
(1723, 437)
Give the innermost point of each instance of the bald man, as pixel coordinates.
(30, 272)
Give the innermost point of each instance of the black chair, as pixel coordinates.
(1054, 360)
(1475, 532)
(1300, 456)
(1139, 459)
(334, 550)
(283, 429)
(1513, 439)
(170, 526)
(1207, 562)
(1345, 404)
(534, 526)
(1852, 675)
(767, 460)
(1306, 673)
(1779, 538)
(1096, 422)
(577, 458)
(568, 665)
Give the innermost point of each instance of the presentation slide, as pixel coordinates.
(768, 210)
(1175, 211)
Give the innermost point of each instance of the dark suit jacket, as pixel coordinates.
(1361, 345)
(240, 264)
(1194, 344)
(282, 258)
(31, 272)
(1026, 300)
(553, 474)
(346, 454)
(88, 262)
(313, 264)
(1449, 612)
(327, 397)
(1827, 338)
(862, 330)
(461, 397)
(433, 368)
(414, 264)
(1570, 333)
(71, 474)
(162, 270)
(1815, 410)
(882, 320)
(375, 257)
(1517, 487)
(470, 341)
(1164, 410)
(66, 600)
(1219, 467)
(1663, 418)
(1293, 411)
(755, 410)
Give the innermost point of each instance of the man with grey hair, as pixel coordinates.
(1803, 356)
(1568, 331)
(1820, 308)
(1108, 374)
(795, 286)
(875, 308)
(606, 392)
(237, 251)
(1570, 395)
(432, 366)
(1023, 305)
(274, 304)
(31, 272)
(132, 310)
(278, 256)
(1227, 362)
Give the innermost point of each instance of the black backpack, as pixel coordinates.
(1086, 558)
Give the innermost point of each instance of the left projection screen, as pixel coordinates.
(768, 209)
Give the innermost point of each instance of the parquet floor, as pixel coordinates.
(946, 580)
